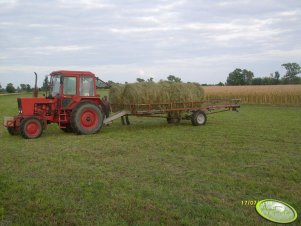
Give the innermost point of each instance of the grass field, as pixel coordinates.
(268, 94)
(152, 173)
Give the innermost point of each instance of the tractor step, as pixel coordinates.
(62, 119)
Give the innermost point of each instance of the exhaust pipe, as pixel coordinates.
(35, 91)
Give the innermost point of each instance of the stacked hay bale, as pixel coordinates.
(150, 92)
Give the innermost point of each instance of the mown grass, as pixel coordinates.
(152, 173)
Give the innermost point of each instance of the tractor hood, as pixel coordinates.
(29, 106)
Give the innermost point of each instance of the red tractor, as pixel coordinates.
(72, 103)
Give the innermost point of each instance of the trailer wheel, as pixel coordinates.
(68, 129)
(198, 118)
(12, 131)
(31, 128)
(86, 118)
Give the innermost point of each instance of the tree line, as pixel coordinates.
(235, 78)
(246, 77)
(10, 88)
(171, 78)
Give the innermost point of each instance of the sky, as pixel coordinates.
(121, 40)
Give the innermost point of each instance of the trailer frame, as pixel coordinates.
(184, 110)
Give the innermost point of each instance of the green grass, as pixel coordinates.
(152, 173)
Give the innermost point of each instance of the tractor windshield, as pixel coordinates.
(86, 86)
(55, 85)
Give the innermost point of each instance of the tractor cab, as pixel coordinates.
(72, 103)
(66, 83)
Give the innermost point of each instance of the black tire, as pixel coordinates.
(31, 128)
(198, 118)
(68, 129)
(12, 131)
(173, 120)
(86, 118)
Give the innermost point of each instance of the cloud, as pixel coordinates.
(125, 39)
(8, 3)
(49, 50)
(84, 4)
(233, 3)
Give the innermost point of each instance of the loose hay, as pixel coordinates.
(163, 92)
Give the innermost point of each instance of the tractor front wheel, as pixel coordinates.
(31, 128)
(86, 118)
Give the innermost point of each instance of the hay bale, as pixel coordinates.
(116, 94)
(151, 92)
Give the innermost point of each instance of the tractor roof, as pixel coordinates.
(73, 73)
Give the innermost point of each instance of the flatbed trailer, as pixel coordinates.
(196, 111)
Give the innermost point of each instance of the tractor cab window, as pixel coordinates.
(86, 86)
(69, 85)
(55, 85)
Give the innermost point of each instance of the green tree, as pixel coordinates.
(110, 82)
(45, 84)
(140, 80)
(235, 78)
(173, 78)
(10, 88)
(292, 70)
(248, 76)
(151, 79)
(257, 81)
(240, 77)
(277, 75)
(28, 88)
(23, 87)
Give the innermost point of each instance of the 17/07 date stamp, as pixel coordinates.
(248, 202)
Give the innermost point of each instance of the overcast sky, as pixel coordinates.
(120, 40)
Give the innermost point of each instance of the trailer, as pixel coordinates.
(196, 111)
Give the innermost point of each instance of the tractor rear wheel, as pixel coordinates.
(198, 118)
(12, 131)
(31, 128)
(86, 118)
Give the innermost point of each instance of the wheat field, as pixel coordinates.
(269, 94)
